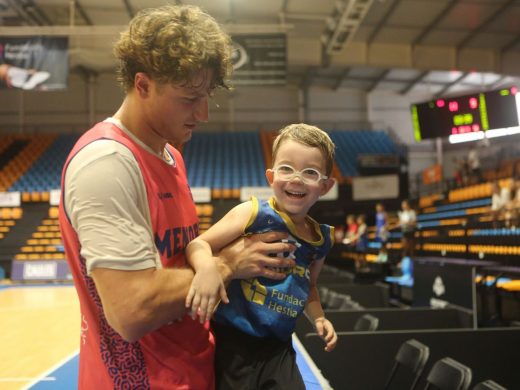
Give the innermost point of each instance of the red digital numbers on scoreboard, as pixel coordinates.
(453, 106)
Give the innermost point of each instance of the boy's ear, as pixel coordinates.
(269, 175)
(327, 184)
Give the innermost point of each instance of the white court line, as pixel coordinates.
(22, 379)
(324, 383)
(53, 368)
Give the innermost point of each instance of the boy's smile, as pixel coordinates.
(295, 197)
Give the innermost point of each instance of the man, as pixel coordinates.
(127, 214)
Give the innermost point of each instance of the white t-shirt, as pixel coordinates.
(106, 201)
(407, 220)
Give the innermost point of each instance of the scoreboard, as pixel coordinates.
(465, 114)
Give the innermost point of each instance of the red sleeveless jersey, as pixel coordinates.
(175, 356)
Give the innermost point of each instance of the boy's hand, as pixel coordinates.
(326, 331)
(206, 291)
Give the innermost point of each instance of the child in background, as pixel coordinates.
(253, 331)
(352, 228)
(360, 240)
(408, 224)
(382, 232)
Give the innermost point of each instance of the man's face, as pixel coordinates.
(173, 111)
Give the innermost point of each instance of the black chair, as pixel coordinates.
(324, 293)
(412, 355)
(488, 385)
(366, 323)
(448, 374)
(349, 304)
(335, 300)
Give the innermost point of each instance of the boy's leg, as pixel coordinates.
(249, 363)
(234, 359)
(279, 370)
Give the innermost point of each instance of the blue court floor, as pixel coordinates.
(65, 376)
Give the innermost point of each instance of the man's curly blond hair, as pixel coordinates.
(310, 136)
(172, 44)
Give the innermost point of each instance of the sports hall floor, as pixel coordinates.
(39, 339)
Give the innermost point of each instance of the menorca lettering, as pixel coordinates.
(174, 240)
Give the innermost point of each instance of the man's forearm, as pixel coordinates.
(138, 302)
(226, 273)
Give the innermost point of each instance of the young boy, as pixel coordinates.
(253, 330)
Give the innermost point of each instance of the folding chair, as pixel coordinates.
(448, 374)
(366, 323)
(412, 355)
(488, 385)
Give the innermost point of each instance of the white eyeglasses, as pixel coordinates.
(308, 175)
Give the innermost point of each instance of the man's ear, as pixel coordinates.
(142, 84)
(326, 185)
(269, 175)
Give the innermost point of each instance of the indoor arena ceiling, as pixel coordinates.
(439, 47)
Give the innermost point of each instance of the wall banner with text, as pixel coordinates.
(34, 63)
(259, 59)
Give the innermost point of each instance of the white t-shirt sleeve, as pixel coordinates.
(105, 199)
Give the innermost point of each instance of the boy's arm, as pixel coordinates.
(207, 287)
(225, 231)
(313, 308)
(314, 311)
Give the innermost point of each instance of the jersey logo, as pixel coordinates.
(253, 291)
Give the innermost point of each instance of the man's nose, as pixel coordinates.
(201, 110)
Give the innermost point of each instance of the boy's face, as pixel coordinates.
(295, 197)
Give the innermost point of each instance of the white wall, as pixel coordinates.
(245, 108)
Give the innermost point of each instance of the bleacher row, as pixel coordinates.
(224, 162)
(45, 242)
(8, 218)
(456, 224)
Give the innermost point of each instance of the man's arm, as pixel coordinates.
(207, 288)
(138, 302)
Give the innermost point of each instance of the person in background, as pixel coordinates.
(473, 162)
(511, 215)
(382, 233)
(127, 213)
(460, 172)
(500, 199)
(253, 330)
(351, 229)
(408, 223)
(360, 240)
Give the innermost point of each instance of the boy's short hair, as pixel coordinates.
(172, 44)
(310, 136)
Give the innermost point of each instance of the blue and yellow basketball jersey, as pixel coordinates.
(263, 307)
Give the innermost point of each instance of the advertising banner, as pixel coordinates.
(34, 63)
(259, 59)
(375, 187)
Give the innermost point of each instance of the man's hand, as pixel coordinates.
(249, 257)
